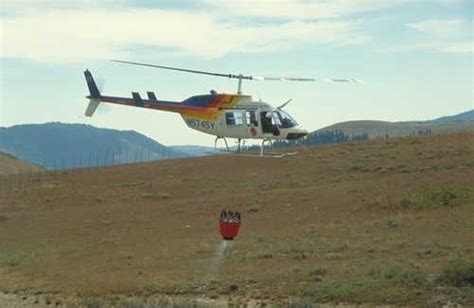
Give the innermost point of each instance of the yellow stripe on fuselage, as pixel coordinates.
(215, 110)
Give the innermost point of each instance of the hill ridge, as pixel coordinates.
(57, 145)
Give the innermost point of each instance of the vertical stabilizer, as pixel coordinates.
(94, 94)
(94, 91)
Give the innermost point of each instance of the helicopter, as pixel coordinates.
(223, 115)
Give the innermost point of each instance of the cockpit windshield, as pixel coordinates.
(284, 120)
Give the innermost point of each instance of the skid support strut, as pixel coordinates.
(263, 145)
(225, 141)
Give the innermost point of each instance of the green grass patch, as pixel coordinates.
(344, 291)
(130, 184)
(19, 258)
(411, 277)
(432, 198)
(13, 259)
(156, 195)
(394, 285)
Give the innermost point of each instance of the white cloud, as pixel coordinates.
(290, 9)
(78, 35)
(442, 35)
(458, 47)
(462, 47)
(455, 2)
(444, 28)
(300, 9)
(15, 7)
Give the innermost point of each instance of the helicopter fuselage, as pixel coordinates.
(248, 120)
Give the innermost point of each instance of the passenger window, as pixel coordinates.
(238, 118)
(251, 118)
(234, 118)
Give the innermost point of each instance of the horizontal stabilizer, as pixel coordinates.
(93, 103)
(151, 96)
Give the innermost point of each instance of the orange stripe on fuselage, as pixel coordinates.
(215, 107)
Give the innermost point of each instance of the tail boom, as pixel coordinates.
(201, 106)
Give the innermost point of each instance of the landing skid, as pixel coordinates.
(268, 155)
(239, 152)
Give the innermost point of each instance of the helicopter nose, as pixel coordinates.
(297, 133)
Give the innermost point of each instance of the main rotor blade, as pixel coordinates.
(308, 79)
(185, 70)
(239, 76)
(342, 80)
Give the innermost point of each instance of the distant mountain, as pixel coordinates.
(9, 164)
(65, 146)
(361, 130)
(382, 129)
(465, 116)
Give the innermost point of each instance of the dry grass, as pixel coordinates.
(11, 165)
(367, 222)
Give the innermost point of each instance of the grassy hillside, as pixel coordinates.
(11, 165)
(379, 222)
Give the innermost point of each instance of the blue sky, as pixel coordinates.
(416, 58)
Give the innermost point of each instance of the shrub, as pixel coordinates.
(133, 303)
(254, 208)
(13, 259)
(458, 273)
(318, 271)
(94, 302)
(392, 223)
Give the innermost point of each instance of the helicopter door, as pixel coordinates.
(269, 126)
(235, 127)
(252, 122)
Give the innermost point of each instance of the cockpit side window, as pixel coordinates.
(286, 121)
(277, 118)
